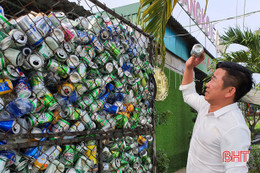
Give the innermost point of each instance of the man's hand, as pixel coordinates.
(190, 64)
(194, 61)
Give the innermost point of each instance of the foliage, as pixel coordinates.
(254, 159)
(162, 118)
(250, 116)
(251, 40)
(154, 19)
(162, 161)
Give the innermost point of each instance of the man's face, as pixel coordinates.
(214, 88)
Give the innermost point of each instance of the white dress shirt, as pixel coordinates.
(214, 133)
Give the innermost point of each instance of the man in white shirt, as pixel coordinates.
(221, 138)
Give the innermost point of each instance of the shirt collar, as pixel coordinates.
(226, 109)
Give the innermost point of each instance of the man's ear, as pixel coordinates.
(231, 91)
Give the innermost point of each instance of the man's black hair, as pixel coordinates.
(237, 76)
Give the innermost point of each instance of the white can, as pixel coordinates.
(60, 54)
(82, 70)
(83, 164)
(68, 47)
(5, 43)
(52, 43)
(11, 72)
(55, 167)
(3, 161)
(14, 56)
(72, 61)
(45, 50)
(19, 38)
(36, 61)
(26, 51)
(75, 77)
(54, 19)
(58, 35)
(71, 170)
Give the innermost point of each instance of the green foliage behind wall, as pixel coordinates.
(173, 137)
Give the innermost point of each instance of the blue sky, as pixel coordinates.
(218, 9)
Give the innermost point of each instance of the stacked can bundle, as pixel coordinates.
(64, 75)
(129, 154)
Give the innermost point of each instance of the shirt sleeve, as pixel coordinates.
(191, 97)
(236, 143)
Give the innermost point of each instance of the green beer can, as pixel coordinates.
(85, 101)
(49, 101)
(112, 49)
(67, 157)
(41, 118)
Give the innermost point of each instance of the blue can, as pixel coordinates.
(73, 97)
(113, 97)
(132, 52)
(14, 126)
(2, 11)
(8, 126)
(43, 24)
(109, 88)
(143, 147)
(33, 152)
(126, 67)
(22, 87)
(66, 100)
(84, 37)
(47, 126)
(112, 109)
(6, 86)
(3, 142)
(19, 107)
(10, 155)
(105, 33)
(146, 103)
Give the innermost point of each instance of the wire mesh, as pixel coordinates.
(76, 89)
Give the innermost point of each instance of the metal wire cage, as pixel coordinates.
(76, 89)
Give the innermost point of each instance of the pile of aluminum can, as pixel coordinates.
(70, 75)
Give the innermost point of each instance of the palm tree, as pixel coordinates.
(250, 40)
(154, 19)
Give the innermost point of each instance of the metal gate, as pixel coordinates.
(76, 89)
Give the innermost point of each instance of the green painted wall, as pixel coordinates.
(174, 136)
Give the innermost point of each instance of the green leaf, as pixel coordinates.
(154, 19)
(247, 38)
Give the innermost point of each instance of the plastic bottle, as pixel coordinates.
(19, 106)
(4, 115)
